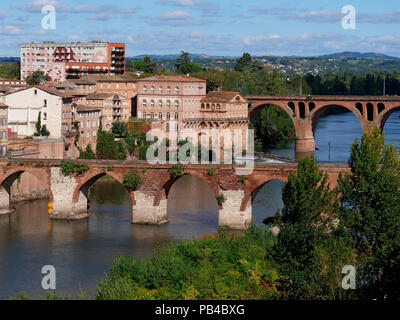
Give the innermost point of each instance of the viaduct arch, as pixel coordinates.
(371, 111)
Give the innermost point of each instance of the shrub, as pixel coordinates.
(220, 198)
(211, 171)
(81, 169)
(242, 179)
(44, 131)
(67, 167)
(132, 180)
(177, 170)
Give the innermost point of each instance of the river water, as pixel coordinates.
(82, 251)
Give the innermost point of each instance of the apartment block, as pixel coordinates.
(61, 61)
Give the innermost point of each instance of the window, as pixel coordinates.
(202, 105)
(168, 104)
(167, 127)
(160, 116)
(87, 123)
(176, 89)
(176, 127)
(117, 85)
(213, 106)
(160, 89)
(144, 89)
(44, 115)
(152, 89)
(45, 102)
(152, 103)
(94, 133)
(35, 92)
(144, 103)
(208, 106)
(168, 89)
(159, 103)
(176, 116)
(152, 115)
(144, 115)
(168, 116)
(109, 85)
(218, 106)
(176, 104)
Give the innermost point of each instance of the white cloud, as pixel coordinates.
(174, 15)
(11, 30)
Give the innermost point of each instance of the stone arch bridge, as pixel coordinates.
(69, 194)
(371, 111)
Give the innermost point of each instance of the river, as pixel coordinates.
(83, 251)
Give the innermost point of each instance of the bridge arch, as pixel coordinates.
(90, 178)
(317, 112)
(167, 183)
(384, 116)
(289, 108)
(8, 178)
(253, 186)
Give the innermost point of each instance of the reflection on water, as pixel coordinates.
(82, 251)
(267, 201)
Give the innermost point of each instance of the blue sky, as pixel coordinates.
(214, 27)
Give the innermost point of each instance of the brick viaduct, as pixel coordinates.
(371, 111)
(68, 194)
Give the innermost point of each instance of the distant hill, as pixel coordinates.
(358, 55)
(4, 60)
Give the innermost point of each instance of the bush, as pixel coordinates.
(177, 170)
(44, 131)
(132, 180)
(211, 171)
(67, 167)
(220, 198)
(239, 267)
(81, 169)
(88, 153)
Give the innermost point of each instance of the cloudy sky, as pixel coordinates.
(214, 27)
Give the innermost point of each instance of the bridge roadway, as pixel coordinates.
(371, 111)
(69, 194)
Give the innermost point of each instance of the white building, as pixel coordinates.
(25, 105)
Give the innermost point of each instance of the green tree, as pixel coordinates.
(146, 65)
(273, 127)
(38, 125)
(304, 241)
(119, 128)
(36, 77)
(370, 214)
(10, 71)
(185, 65)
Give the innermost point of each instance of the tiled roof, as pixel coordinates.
(83, 108)
(173, 79)
(48, 90)
(110, 78)
(221, 96)
(55, 92)
(55, 84)
(99, 96)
